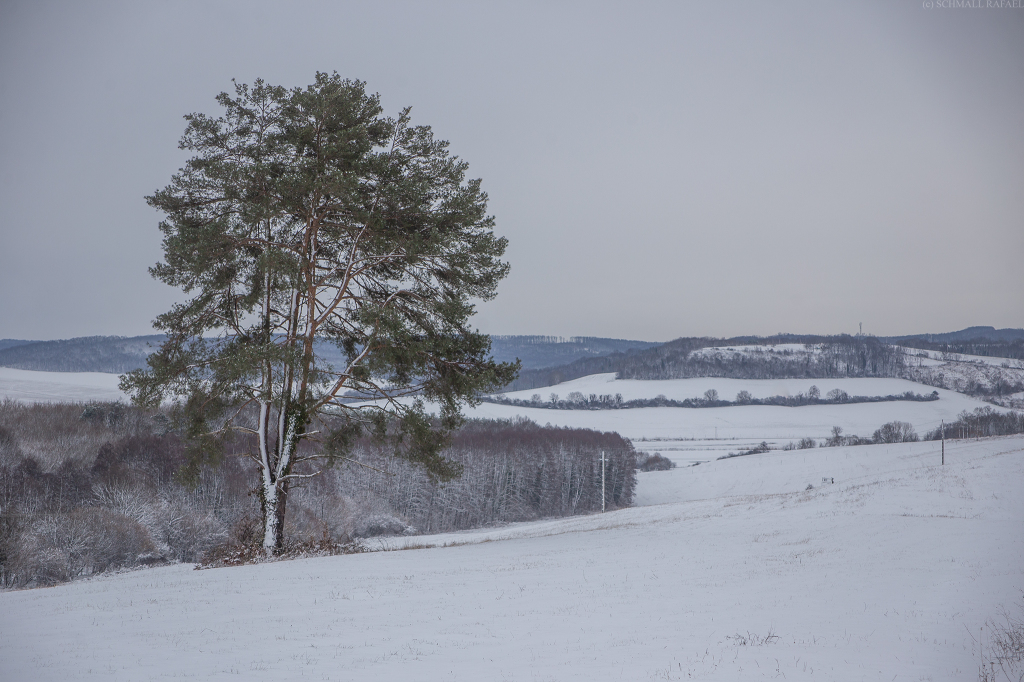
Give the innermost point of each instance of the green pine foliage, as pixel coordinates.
(307, 216)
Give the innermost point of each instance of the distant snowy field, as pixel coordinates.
(733, 571)
(48, 387)
(681, 389)
(739, 422)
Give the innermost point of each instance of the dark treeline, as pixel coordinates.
(578, 401)
(984, 421)
(839, 356)
(88, 489)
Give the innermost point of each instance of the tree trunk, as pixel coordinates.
(275, 478)
(282, 502)
(273, 535)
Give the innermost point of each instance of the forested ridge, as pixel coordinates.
(832, 357)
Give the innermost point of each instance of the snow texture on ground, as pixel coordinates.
(732, 570)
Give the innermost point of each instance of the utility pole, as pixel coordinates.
(602, 480)
(943, 427)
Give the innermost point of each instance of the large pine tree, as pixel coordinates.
(307, 217)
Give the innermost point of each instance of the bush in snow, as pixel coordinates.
(895, 432)
(756, 450)
(648, 462)
(60, 547)
(837, 395)
(382, 525)
(1005, 655)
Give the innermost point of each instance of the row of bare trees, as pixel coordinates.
(982, 422)
(511, 471)
(90, 489)
(578, 401)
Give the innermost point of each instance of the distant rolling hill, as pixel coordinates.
(118, 354)
(11, 343)
(549, 360)
(113, 354)
(538, 352)
(969, 334)
(837, 356)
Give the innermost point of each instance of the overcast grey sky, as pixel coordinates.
(660, 169)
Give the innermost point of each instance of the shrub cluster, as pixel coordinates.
(63, 516)
(756, 450)
(648, 462)
(802, 444)
(891, 432)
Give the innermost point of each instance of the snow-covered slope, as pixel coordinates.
(968, 373)
(934, 357)
(735, 572)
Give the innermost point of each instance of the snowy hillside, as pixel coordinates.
(934, 358)
(999, 378)
(735, 572)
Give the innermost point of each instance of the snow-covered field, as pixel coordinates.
(749, 422)
(731, 571)
(685, 435)
(46, 387)
(681, 389)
